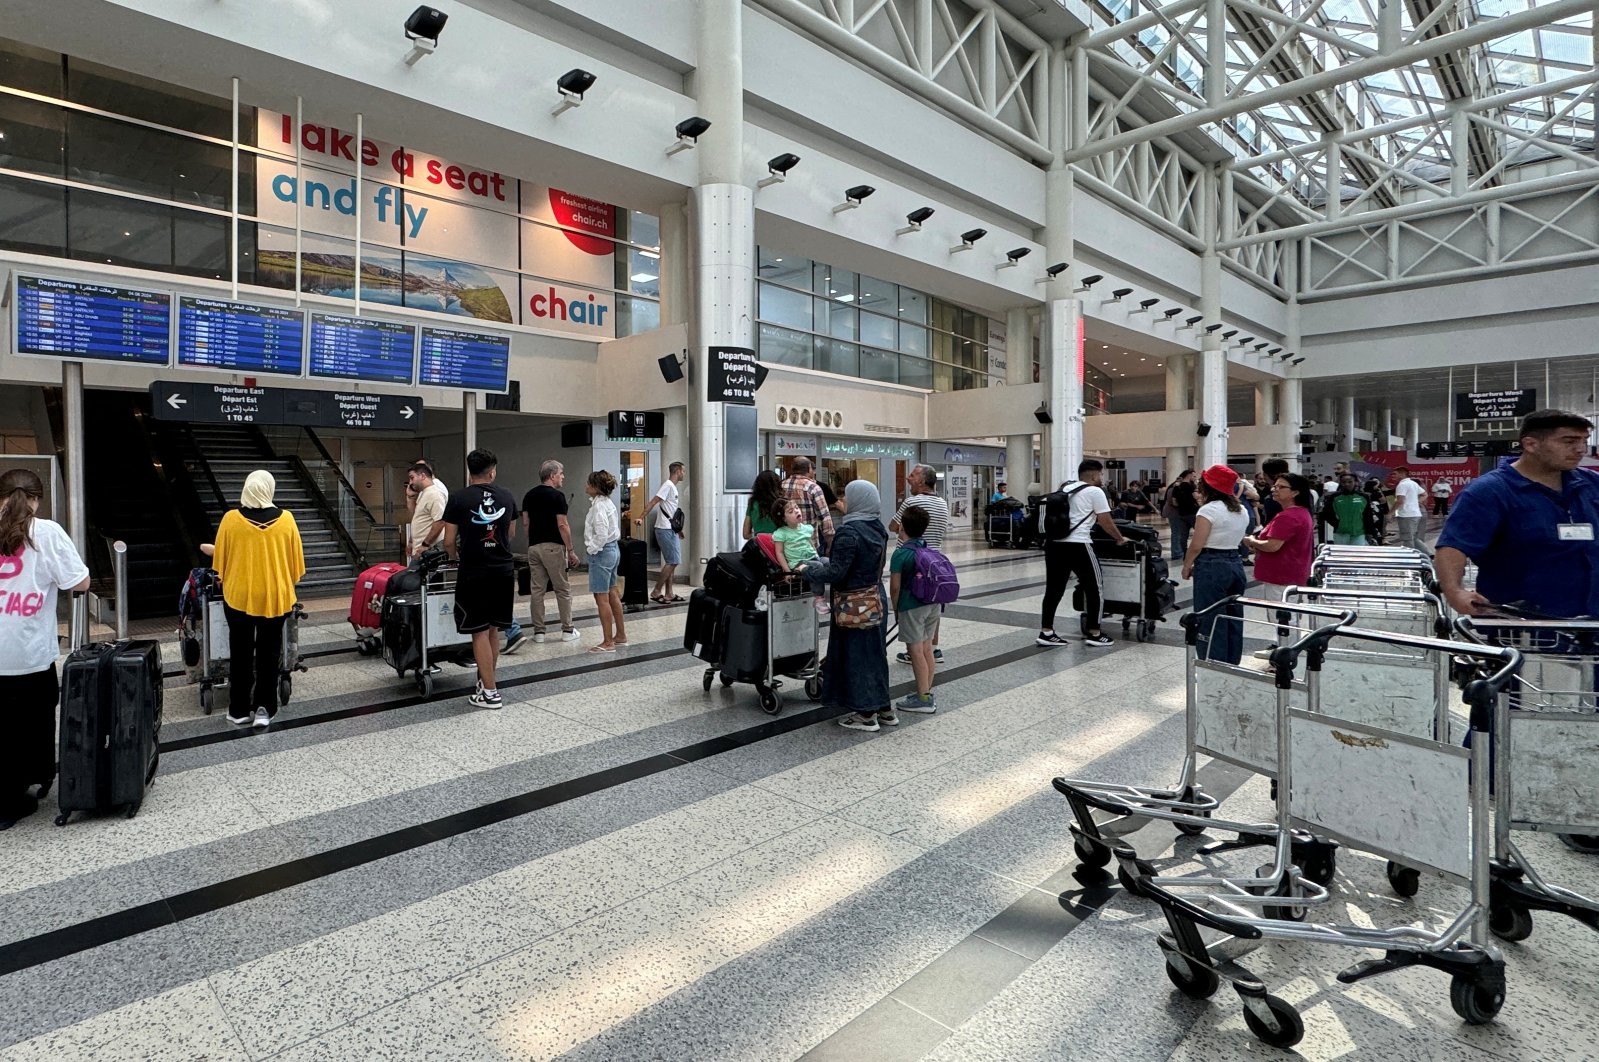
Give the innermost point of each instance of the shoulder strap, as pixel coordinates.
(1080, 523)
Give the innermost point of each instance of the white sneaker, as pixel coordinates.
(570, 635)
(538, 636)
(261, 718)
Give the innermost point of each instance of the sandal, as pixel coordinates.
(674, 599)
(602, 649)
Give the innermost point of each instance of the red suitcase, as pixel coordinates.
(366, 604)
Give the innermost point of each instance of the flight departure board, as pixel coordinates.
(362, 348)
(473, 361)
(92, 322)
(240, 337)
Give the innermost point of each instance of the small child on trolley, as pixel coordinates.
(796, 544)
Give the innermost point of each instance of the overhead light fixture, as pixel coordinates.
(1261, 345)
(969, 240)
(1173, 312)
(913, 221)
(1274, 351)
(1192, 321)
(689, 131)
(1014, 257)
(853, 197)
(571, 85)
(777, 169)
(1244, 342)
(1229, 333)
(1119, 294)
(1209, 329)
(1087, 283)
(1053, 272)
(1144, 305)
(422, 29)
(1296, 361)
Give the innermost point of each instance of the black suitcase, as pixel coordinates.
(735, 578)
(111, 698)
(635, 572)
(702, 637)
(744, 645)
(402, 629)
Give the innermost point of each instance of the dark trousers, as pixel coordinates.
(28, 754)
(1219, 574)
(1062, 560)
(1440, 506)
(1181, 528)
(254, 662)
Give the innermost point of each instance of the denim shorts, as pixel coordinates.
(602, 568)
(671, 545)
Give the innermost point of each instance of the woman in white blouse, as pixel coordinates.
(1214, 565)
(602, 537)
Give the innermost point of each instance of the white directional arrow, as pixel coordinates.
(174, 401)
(407, 412)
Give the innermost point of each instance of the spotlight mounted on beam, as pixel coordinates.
(1192, 321)
(853, 197)
(913, 221)
(571, 85)
(1119, 294)
(1144, 306)
(1229, 333)
(689, 131)
(1173, 312)
(969, 240)
(1209, 329)
(1297, 361)
(1053, 272)
(422, 29)
(777, 169)
(1087, 283)
(1014, 257)
(1274, 351)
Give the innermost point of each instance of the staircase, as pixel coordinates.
(227, 454)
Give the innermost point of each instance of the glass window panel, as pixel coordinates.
(879, 365)
(834, 356)
(915, 372)
(637, 315)
(110, 229)
(33, 69)
(156, 101)
(130, 158)
(35, 136)
(912, 306)
(784, 307)
(787, 269)
(835, 320)
(200, 245)
(643, 228)
(779, 346)
(879, 330)
(913, 339)
(878, 295)
(644, 274)
(33, 216)
(836, 284)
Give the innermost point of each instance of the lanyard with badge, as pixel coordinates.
(1571, 531)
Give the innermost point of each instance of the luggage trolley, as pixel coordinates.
(766, 644)
(1135, 581)
(208, 629)
(1383, 568)
(1232, 713)
(419, 629)
(1340, 779)
(1546, 763)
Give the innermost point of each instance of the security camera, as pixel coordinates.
(777, 169)
(1014, 257)
(853, 197)
(1120, 293)
(969, 239)
(689, 131)
(913, 220)
(571, 85)
(1087, 283)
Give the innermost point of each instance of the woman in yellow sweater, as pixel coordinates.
(260, 559)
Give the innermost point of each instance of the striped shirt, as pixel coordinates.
(812, 506)
(937, 517)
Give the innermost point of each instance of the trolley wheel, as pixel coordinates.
(1406, 881)
(1190, 829)
(131, 810)
(1129, 882)
(1126, 624)
(1284, 889)
(1200, 982)
(1091, 855)
(44, 789)
(813, 688)
(207, 699)
(1321, 866)
(1476, 1003)
(1580, 842)
(707, 679)
(61, 819)
(1508, 921)
(1287, 1027)
(727, 680)
(771, 703)
(285, 690)
(1145, 630)
(424, 683)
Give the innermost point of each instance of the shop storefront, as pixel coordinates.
(967, 477)
(880, 461)
(782, 449)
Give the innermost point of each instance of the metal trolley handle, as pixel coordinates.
(1480, 693)
(1422, 596)
(1284, 658)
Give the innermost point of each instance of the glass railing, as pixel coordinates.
(371, 540)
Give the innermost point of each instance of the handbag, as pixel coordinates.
(858, 609)
(677, 522)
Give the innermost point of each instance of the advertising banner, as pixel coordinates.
(1457, 472)
(436, 235)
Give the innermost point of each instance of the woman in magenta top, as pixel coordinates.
(1283, 547)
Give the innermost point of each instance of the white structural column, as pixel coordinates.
(1346, 423)
(677, 286)
(1265, 403)
(1212, 360)
(1018, 371)
(1179, 370)
(1060, 346)
(1385, 427)
(1291, 392)
(723, 226)
(1412, 435)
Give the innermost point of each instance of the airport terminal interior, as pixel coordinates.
(933, 252)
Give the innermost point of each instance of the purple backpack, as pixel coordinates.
(934, 582)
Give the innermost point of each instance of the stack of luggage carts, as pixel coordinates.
(753, 623)
(1006, 521)
(1354, 708)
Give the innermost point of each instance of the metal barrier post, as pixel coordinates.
(119, 557)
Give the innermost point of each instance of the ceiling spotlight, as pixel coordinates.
(1296, 361)
(1053, 272)
(1144, 305)
(1088, 282)
(1261, 345)
(1173, 312)
(777, 169)
(422, 29)
(571, 86)
(1014, 257)
(969, 239)
(1244, 342)
(914, 220)
(1229, 333)
(853, 197)
(689, 131)
(1119, 294)
(1192, 321)
(1274, 351)
(1210, 329)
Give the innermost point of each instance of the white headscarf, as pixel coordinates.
(258, 490)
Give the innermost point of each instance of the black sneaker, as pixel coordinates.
(903, 658)
(938, 656)
(1049, 638)
(1097, 641)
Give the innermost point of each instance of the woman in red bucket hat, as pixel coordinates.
(1214, 565)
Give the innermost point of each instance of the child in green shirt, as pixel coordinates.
(796, 544)
(918, 622)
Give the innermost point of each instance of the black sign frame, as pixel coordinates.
(218, 403)
(1510, 404)
(730, 375)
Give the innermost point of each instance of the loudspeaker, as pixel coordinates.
(761, 372)
(1041, 414)
(577, 433)
(1204, 429)
(671, 371)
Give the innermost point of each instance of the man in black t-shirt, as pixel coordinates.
(549, 548)
(479, 519)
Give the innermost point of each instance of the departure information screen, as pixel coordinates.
(362, 348)
(240, 337)
(94, 322)
(473, 361)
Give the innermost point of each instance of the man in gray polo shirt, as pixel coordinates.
(923, 482)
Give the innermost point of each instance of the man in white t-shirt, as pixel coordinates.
(1442, 490)
(1076, 507)
(1408, 517)
(669, 539)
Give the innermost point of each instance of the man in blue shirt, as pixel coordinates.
(1530, 526)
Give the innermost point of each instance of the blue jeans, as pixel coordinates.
(1219, 574)
(1181, 528)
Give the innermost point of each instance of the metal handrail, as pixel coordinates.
(339, 472)
(319, 501)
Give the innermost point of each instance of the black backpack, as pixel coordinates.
(1057, 513)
